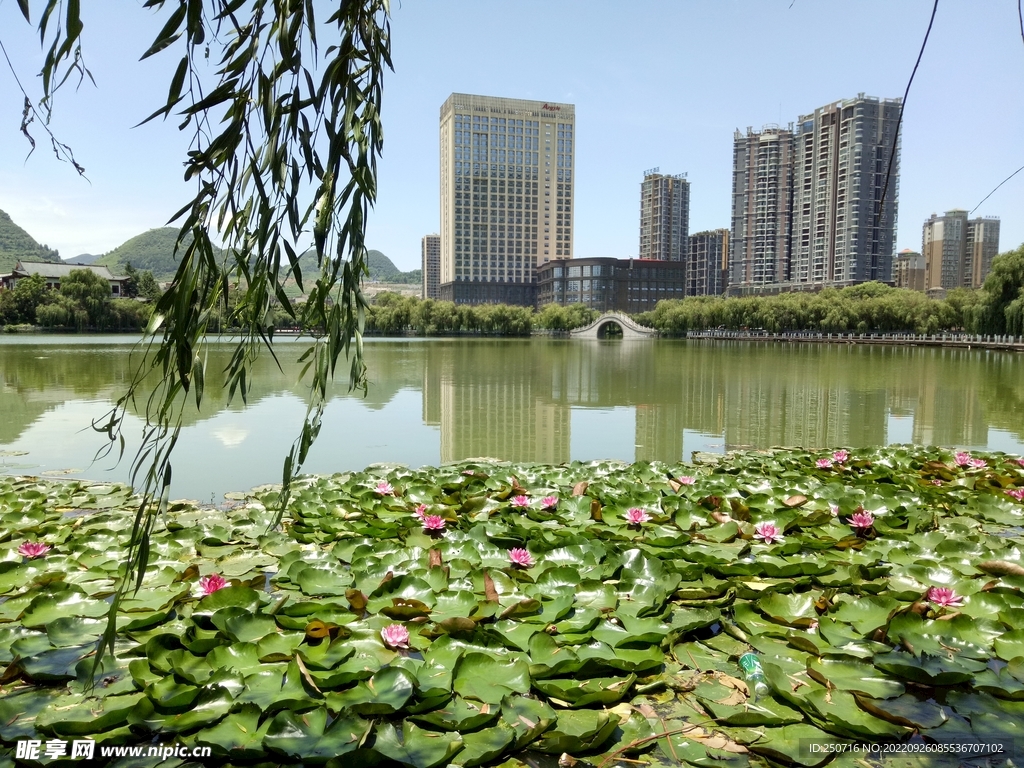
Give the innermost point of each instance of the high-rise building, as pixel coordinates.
(506, 195)
(430, 253)
(982, 247)
(958, 251)
(762, 194)
(707, 263)
(843, 232)
(664, 216)
(816, 206)
(943, 244)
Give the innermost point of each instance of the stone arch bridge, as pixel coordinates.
(630, 328)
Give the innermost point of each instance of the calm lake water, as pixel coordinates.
(439, 400)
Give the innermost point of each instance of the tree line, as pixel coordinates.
(82, 302)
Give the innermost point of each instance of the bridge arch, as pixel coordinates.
(630, 328)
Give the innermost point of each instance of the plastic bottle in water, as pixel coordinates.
(754, 675)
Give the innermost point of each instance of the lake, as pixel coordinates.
(549, 400)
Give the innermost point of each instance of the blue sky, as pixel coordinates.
(662, 84)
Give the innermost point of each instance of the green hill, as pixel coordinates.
(17, 244)
(152, 250)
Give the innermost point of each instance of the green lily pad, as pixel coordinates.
(854, 676)
(416, 747)
(307, 738)
(488, 679)
(582, 693)
(578, 730)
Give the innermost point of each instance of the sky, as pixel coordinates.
(655, 85)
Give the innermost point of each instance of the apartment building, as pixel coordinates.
(664, 216)
(815, 204)
(707, 265)
(430, 255)
(958, 251)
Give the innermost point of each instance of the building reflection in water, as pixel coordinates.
(524, 404)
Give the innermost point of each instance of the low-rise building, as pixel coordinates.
(53, 273)
(604, 284)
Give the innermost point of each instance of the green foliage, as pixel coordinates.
(856, 309)
(1003, 309)
(140, 284)
(16, 245)
(283, 111)
(555, 317)
(20, 304)
(391, 314)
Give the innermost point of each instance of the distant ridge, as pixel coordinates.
(83, 258)
(16, 244)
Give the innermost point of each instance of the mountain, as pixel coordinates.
(17, 244)
(382, 269)
(82, 258)
(152, 250)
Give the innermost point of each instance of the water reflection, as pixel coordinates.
(529, 400)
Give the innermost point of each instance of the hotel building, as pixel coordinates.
(506, 195)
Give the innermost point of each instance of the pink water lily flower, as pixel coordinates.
(861, 519)
(395, 636)
(978, 463)
(1013, 493)
(834, 509)
(421, 510)
(549, 502)
(210, 584)
(520, 501)
(686, 480)
(962, 458)
(433, 523)
(468, 472)
(768, 532)
(520, 558)
(824, 463)
(636, 516)
(1021, 462)
(33, 549)
(384, 488)
(944, 597)
(936, 481)
(840, 456)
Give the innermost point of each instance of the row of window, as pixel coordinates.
(495, 123)
(480, 140)
(479, 170)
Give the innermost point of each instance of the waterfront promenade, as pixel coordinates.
(964, 341)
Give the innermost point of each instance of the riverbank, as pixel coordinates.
(491, 613)
(955, 340)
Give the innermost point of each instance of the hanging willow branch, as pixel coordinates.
(286, 132)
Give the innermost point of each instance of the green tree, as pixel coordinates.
(1004, 295)
(284, 143)
(19, 304)
(91, 292)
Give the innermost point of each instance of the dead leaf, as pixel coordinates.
(435, 558)
(796, 500)
(595, 510)
(1001, 568)
(305, 673)
(490, 593)
(580, 488)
